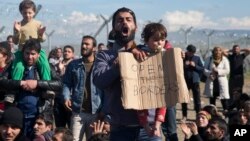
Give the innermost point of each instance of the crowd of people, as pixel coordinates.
(58, 97)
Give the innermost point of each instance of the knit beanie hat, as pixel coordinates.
(206, 114)
(13, 116)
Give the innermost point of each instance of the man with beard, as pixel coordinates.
(124, 122)
(236, 79)
(80, 94)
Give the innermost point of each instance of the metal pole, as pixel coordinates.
(186, 32)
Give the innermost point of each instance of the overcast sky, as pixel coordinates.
(73, 18)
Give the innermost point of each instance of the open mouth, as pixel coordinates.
(125, 30)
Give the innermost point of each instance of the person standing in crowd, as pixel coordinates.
(23, 31)
(43, 128)
(101, 46)
(63, 115)
(236, 58)
(55, 56)
(216, 69)
(124, 122)
(62, 134)
(193, 68)
(11, 125)
(5, 70)
(11, 43)
(81, 96)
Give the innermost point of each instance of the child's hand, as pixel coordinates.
(156, 129)
(17, 26)
(41, 31)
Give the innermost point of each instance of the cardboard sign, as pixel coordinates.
(157, 82)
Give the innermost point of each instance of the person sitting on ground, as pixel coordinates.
(194, 131)
(99, 132)
(11, 125)
(217, 130)
(213, 111)
(43, 127)
(62, 134)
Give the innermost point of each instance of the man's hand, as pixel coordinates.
(193, 127)
(186, 130)
(67, 104)
(192, 63)
(139, 55)
(99, 127)
(29, 85)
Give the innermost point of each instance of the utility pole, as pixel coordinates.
(246, 36)
(1, 30)
(106, 21)
(49, 40)
(186, 33)
(208, 34)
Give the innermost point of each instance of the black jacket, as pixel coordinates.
(7, 84)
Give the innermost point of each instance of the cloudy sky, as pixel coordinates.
(71, 19)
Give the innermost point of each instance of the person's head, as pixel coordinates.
(202, 119)
(62, 134)
(101, 46)
(217, 129)
(5, 55)
(43, 123)
(88, 46)
(154, 35)
(68, 52)
(31, 51)
(236, 49)
(242, 117)
(10, 42)
(212, 110)
(11, 124)
(99, 137)
(28, 10)
(52, 54)
(246, 108)
(217, 52)
(59, 52)
(124, 25)
(191, 49)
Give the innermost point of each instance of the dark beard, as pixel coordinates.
(123, 40)
(89, 53)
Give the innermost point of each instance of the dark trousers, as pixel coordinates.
(124, 133)
(169, 126)
(195, 87)
(224, 102)
(61, 114)
(236, 83)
